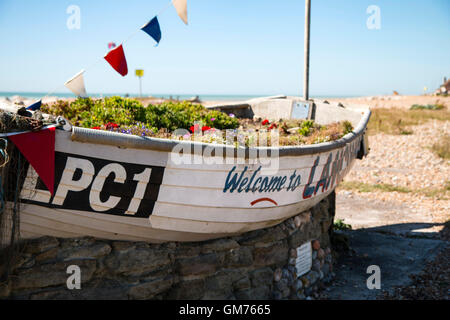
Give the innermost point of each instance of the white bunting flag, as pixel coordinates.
(76, 85)
(181, 7)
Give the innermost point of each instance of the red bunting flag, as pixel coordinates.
(116, 58)
(39, 149)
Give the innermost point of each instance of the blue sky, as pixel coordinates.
(252, 47)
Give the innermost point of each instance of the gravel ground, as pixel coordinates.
(407, 161)
(403, 102)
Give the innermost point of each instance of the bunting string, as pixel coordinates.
(116, 56)
(38, 147)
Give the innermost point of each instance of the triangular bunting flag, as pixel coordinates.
(152, 29)
(116, 58)
(35, 106)
(39, 149)
(76, 85)
(181, 7)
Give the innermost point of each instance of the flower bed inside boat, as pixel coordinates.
(188, 121)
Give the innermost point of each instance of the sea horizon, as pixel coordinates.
(203, 97)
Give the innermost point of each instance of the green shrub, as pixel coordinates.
(74, 111)
(90, 113)
(221, 120)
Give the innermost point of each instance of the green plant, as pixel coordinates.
(406, 132)
(306, 127)
(348, 127)
(339, 224)
(183, 115)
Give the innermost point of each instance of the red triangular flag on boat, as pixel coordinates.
(39, 149)
(116, 58)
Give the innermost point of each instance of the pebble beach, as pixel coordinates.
(408, 162)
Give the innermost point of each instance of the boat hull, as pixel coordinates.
(123, 192)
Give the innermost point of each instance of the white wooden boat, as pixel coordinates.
(116, 186)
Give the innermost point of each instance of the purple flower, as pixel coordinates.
(232, 115)
(213, 119)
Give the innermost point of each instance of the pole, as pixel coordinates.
(307, 33)
(140, 86)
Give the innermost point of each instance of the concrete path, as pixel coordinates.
(385, 216)
(398, 257)
(399, 249)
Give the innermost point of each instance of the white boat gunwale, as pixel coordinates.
(167, 145)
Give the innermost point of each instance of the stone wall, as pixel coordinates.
(255, 265)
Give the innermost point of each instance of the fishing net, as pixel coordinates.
(13, 168)
(20, 121)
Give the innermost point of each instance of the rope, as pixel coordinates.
(16, 195)
(21, 132)
(4, 153)
(2, 200)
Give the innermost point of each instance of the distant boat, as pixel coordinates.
(117, 186)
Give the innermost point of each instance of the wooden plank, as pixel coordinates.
(208, 227)
(63, 143)
(217, 198)
(103, 226)
(232, 215)
(157, 158)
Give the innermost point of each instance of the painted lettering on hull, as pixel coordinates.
(98, 185)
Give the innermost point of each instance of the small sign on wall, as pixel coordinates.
(303, 263)
(300, 110)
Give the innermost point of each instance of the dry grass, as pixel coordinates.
(399, 121)
(366, 187)
(317, 134)
(438, 194)
(442, 148)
